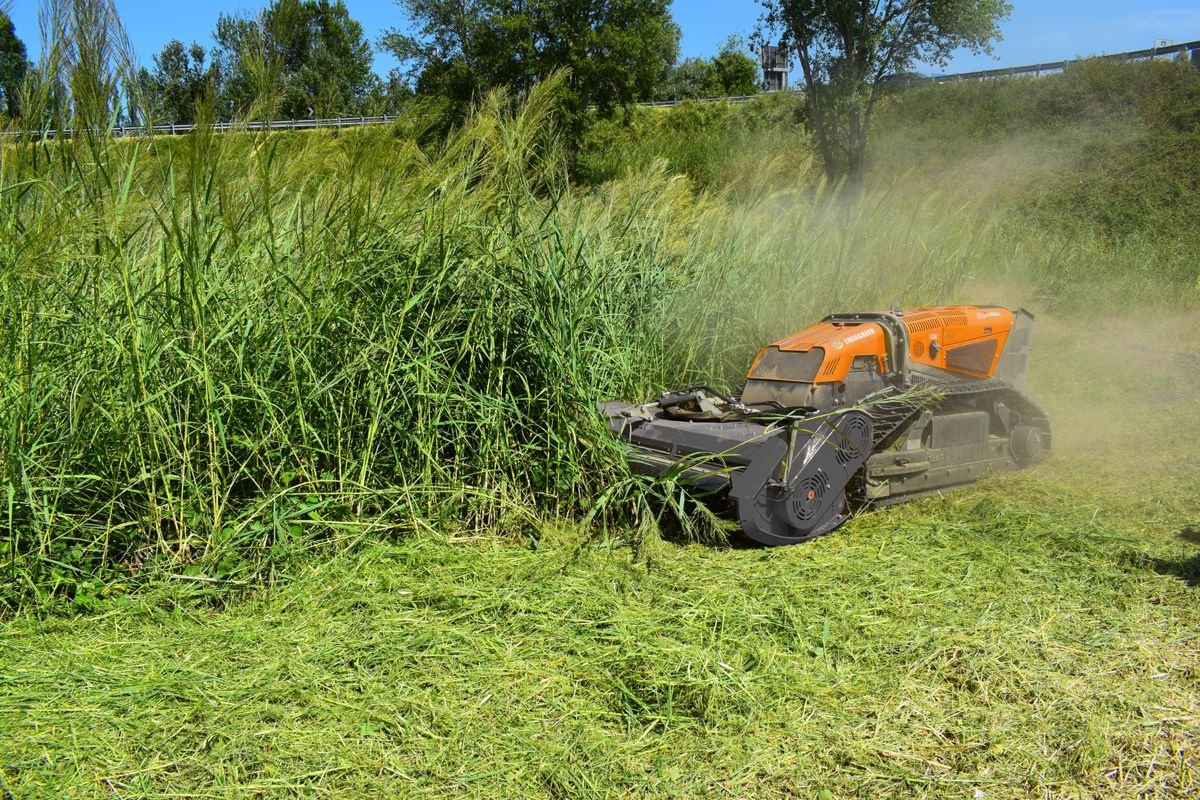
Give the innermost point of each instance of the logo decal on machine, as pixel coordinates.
(868, 333)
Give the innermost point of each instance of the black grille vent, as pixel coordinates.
(808, 496)
(854, 439)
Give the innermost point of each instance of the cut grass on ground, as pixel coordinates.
(1033, 636)
(1020, 647)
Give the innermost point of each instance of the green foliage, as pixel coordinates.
(1154, 93)
(85, 78)
(306, 57)
(1119, 143)
(714, 144)
(1150, 189)
(180, 82)
(236, 361)
(692, 79)
(219, 350)
(731, 73)
(845, 51)
(85, 73)
(613, 51)
(13, 65)
(737, 73)
(1033, 636)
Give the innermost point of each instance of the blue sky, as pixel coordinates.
(1037, 31)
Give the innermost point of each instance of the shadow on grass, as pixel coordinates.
(1186, 569)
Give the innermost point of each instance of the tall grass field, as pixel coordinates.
(305, 495)
(221, 349)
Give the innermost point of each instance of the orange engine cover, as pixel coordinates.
(962, 339)
(967, 340)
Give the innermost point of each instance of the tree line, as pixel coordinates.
(309, 58)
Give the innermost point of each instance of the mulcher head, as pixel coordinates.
(787, 474)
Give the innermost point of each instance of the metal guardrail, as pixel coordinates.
(358, 122)
(227, 127)
(741, 98)
(1057, 66)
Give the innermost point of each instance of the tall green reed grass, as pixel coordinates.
(219, 351)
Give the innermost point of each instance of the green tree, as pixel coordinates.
(389, 96)
(736, 72)
(180, 80)
(616, 51)
(309, 56)
(692, 79)
(846, 49)
(13, 65)
(731, 73)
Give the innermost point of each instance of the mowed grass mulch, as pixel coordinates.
(962, 644)
(1036, 635)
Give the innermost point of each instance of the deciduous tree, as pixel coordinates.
(731, 73)
(180, 80)
(13, 64)
(737, 73)
(311, 55)
(691, 79)
(846, 48)
(616, 51)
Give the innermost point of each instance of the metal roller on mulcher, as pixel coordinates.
(859, 410)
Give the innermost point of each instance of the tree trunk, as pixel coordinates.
(825, 143)
(856, 155)
(819, 123)
(855, 173)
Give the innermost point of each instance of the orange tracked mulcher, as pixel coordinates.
(858, 410)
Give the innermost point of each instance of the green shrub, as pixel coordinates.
(712, 143)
